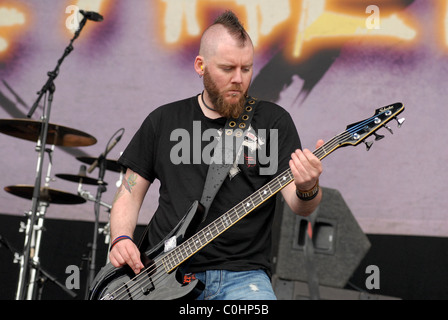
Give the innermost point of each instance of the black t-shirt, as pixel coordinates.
(167, 147)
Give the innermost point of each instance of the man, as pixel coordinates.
(236, 264)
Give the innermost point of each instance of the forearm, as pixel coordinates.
(304, 194)
(123, 219)
(298, 206)
(127, 203)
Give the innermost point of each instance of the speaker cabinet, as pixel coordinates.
(338, 243)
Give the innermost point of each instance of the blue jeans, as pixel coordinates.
(231, 285)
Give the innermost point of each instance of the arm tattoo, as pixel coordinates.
(130, 182)
(127, 184)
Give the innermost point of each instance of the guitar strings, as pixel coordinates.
(152, 276)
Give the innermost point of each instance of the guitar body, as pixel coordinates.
(153, 283)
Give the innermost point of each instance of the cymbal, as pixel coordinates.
(47, 194)
(80, 179)
(57, 135)
(111, 165)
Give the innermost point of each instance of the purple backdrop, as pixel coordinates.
(325, 62)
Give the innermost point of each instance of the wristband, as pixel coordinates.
(309, 194)
(118, 239)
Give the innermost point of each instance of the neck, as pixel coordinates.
(205, 104)
(209, 111)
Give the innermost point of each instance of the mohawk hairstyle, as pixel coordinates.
(231, 22)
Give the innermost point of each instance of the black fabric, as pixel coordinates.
(155, 153)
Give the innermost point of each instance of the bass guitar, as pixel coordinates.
(161, 278)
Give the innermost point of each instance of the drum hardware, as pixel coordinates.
(81, 178)
(57, 135)
(101, 162)
(48, 195)
(34, 274)
(105, 231)
(88, 196)
(111, 165)
(52, 135)
(44, 275)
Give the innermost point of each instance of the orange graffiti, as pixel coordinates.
(303, 27)
(306, 23)
(12, 21)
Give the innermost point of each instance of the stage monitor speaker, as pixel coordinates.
(338, 242)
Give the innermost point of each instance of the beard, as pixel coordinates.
(224, 108)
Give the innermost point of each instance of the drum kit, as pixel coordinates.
(64, 137)
(45, 133)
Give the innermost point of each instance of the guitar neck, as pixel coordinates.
(203, 237)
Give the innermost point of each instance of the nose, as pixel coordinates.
(237, 76)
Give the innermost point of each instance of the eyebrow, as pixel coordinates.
(230, 65)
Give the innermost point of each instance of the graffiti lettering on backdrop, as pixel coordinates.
(306, 20)
(303, 33)
(303, 23)
(12, 20)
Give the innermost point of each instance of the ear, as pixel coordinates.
(199, 65)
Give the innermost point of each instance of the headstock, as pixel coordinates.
(359, 131)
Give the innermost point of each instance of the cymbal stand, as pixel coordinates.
(101, 162)
(33, 235)
(44, 275)
(100, 190)
(106, 229)
(47, 90)
(88, 196)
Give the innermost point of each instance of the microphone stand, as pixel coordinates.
(48, 88)
(100, 190)
(101, 162)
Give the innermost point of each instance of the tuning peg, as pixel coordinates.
(400, 121)
(378, 136)
(389, 129)
(368, 144)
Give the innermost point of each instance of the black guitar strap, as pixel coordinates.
(227, 152)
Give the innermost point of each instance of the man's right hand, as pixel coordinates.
(126, 252)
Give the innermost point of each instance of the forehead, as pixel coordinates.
(218, 45)
(230, 52)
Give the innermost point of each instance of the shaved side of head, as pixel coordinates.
(224, 27)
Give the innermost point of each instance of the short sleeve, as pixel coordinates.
(139, 154)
